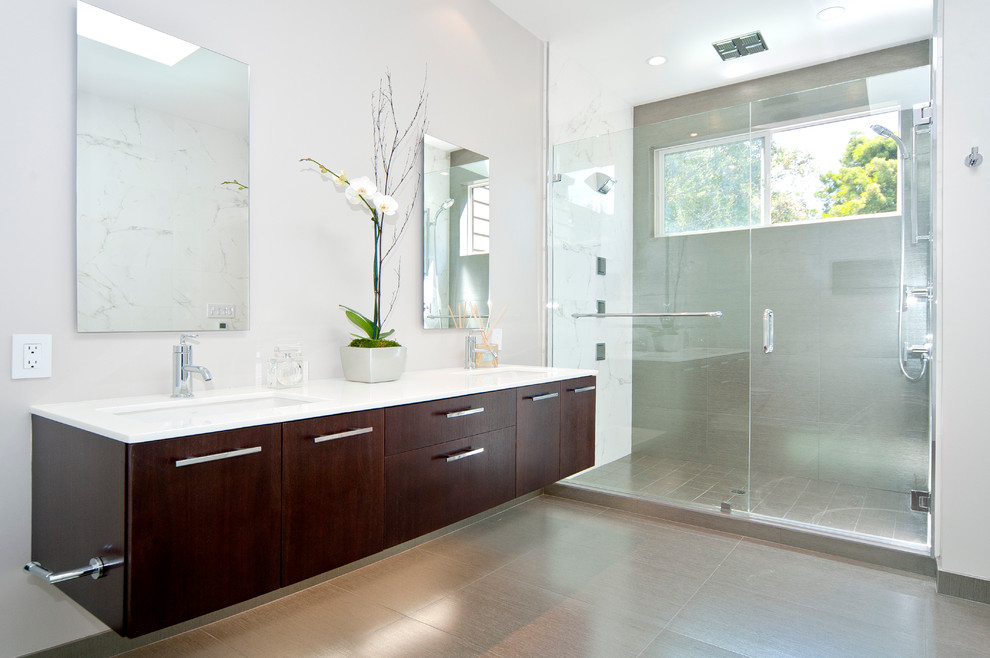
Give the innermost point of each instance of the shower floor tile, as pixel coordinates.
(870, 512)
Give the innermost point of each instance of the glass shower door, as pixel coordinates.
(840, 436)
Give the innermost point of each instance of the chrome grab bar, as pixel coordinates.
(96, 569)
(767, 331)
(343, 435)
(466, 453)
(466, 412)
(699, 314)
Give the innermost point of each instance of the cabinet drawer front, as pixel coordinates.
(432, 487)
(333, 492)
(577, 425)
(423, 424)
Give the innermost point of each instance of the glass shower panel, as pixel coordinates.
(674, 389)
(591, 270)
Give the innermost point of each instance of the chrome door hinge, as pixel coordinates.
(923, 113)
(921, 501)
(555, 178)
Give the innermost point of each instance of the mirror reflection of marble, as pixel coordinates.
(456, 223)
(161, 240)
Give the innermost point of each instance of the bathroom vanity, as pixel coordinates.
(199, 504)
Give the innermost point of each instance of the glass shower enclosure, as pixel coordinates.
(754, 285)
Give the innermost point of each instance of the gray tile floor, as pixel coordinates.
(861, 510)
(552, 577)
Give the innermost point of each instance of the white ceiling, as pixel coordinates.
(612, 39)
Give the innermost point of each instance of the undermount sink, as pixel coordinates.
(199, 409)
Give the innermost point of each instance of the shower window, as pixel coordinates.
(714, 187)
(475, 232)
(813, 171)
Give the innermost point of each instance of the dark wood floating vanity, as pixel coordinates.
(208, 520)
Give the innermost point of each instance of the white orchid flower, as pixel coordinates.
(360, 187)
(339, 178)
(385, 204)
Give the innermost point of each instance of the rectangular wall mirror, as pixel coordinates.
(456, 223)
(161, 181)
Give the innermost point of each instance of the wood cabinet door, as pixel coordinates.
(537, 436)
(204, 519)
(429, 488)
(577, 425)
(333, 492)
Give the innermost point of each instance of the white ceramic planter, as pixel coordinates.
(372, 364)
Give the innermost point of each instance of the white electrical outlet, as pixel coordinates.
(30, 356)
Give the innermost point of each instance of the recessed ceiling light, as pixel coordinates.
(657, 60)
(831, 13)
(135, 38)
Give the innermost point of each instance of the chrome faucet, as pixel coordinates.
(472, 348)
(182, 368)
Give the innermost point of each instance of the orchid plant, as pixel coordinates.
(378, 198)
(362, 191)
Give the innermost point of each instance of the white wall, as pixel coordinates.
(963, 433)
(313, 65)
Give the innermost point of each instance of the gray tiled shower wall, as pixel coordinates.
(830, 402)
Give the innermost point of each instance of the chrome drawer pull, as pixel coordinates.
(462, 455)
(466, 412)
(344, 435)
(543, 396)
(583, 389)
(212, 458)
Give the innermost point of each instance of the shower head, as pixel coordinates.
(599, 182)
(883, 131)
(443, 206)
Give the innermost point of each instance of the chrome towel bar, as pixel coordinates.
(699, 314)
(96, 569)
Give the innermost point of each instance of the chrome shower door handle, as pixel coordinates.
(767, 331)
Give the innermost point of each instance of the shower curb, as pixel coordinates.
(883, 556)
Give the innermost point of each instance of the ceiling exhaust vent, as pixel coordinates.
(747, 44)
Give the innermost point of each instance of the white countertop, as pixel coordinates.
(153, 417)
